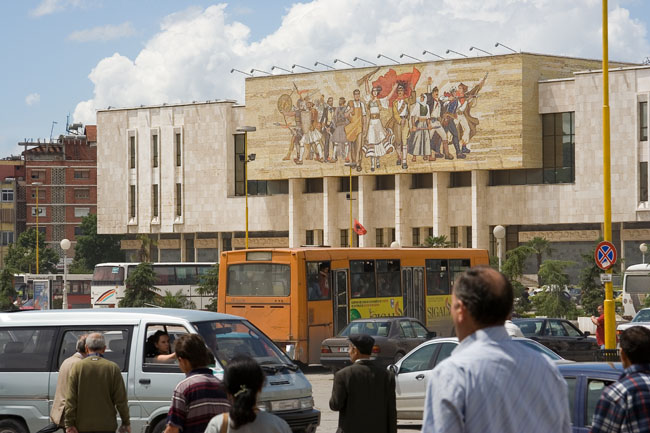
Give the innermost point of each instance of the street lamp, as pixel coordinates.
(37, 184)
(248, 158)
(65, 246)
(499, 233)
(644, 249)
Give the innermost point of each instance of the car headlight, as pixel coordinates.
(292, 404)
(290, 350)
(264, 405)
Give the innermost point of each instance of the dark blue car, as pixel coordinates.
(586, 382)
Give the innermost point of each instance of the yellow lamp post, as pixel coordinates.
(247, 158)
(37, 184)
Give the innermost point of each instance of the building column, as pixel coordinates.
(480, 228)
(365, 209)
(330, 210)
(220, 244)
(296, 235)
(402, 226)
(440, 212)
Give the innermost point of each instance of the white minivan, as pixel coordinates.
(33, 344)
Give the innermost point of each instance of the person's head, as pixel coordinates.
(635, 346)
(357, 94)
(600, 309)
(160, 340)
(376, 91)
(191, 352)
(95, 343)
(423, 97)
(360, 346)
(482, 297)
(341, 102)
(324, 267)
(435, 93)
(81, 344)
(330, 101)
(400, 90)
(243, 379)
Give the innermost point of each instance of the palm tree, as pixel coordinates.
(437, 242)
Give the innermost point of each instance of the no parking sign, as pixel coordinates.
(605, 255)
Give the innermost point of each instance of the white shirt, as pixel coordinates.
(512, 329)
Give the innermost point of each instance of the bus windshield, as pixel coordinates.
(259, 279)
(108, 276)
(637, 283)
(642, 316)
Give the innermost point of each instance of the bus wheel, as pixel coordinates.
(9, 425)
(398, 356)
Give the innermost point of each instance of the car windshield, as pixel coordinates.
(229, 338)
(642, 316)
(378, 329)
(530, 327)
(540, 348)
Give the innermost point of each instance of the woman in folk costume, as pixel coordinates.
(379, 139)
(420, 138)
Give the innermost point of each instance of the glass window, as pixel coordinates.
(78, 231)
(416, 236)
(132, 199)
(81, 174)
(458, 266)
(453, 237)
(420, 331)
(26, 349)
(132, 151)
(7, 238)
(555, 329)
(370, 328)
(405, 329)
(108, 276)
(445, 352)
(240, 165)
(459, 179)
(116, 344)
(165, 275)
(80, 212)
(177, 140)
(154, 150)
(389, 282)
(421, 181)
(81, 193)
(7, 195)
(643, 181)
(259, 279)
(318, 281)
(313, 185)
(186, 275)
(385, 182)
(362, 279)
(594, 390)
(571, 382)
(558, 148)
(643, 121)
(344, 184)
(437, 272)
(160, 341)
(154, 199)
(420, 360)
(41, 211)
(530, 327)
(179, 199)
(379, 237)
(309, 237)
(570, 330)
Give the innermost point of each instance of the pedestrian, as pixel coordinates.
(512, 329)
(244, 380)
(198, 397)
(600, 326)
(95, 390)
(490, 383)
(364, 393)
(624, 406)
(58, 406)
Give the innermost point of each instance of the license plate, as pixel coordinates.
(343, 349)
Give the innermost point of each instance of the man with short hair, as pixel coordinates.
(198, 397)
(95, 390)
(600, 326)
(364, 393)
(491, 383)
(624, 406)
(58, 406)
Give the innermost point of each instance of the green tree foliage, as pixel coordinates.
(208, 286)
(93, 248)
(513, 267)
(7, 290)
(21, 256)
(437, 242)
(539, 246)
(140, 291)
(593, 292)
(176, 300)
(553, 302)
(144, 252)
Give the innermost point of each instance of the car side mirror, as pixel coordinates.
(393, 369)
(587, 333)
(431, 334)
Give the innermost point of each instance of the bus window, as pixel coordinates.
(259, 279)
(388, 278)
(165, 275)
(457, 267)
(318, 281)
(362, 275)
(437, 277)
(108, 276)
(186, 275)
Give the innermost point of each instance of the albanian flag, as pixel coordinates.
(359, 229)
(386, 81)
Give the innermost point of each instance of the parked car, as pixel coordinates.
(642, 318)
(413, 371)
(586, 383)
(561, 336)
(394, 337)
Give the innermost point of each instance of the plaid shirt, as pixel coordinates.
(624, 406)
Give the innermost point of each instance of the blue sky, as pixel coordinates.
(155, 51)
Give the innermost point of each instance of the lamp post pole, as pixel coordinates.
(38, 211)
(499, 233)
(644, 249)
(65, 246)
(246, 130)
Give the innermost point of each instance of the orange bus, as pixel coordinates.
(300, 296)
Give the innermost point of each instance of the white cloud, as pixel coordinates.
(103, 33)
(192, 55)
(32, 98)
(47, 7)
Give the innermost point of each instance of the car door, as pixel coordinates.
(410, 383)
(421, 333)
(552, 337)
(582, 348)
(407, 339)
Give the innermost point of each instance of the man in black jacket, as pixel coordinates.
(364, 393)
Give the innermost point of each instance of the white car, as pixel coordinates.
(413, 370)
(642, 318)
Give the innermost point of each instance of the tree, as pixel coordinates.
(144, 252)
(593, 292)
(7, 291)
(513, 267)
(176, 300)
(21, 256)
(140, 291)
(208, 286)
(93, 248)
(539, 246)
(554, 302)
(437, 242)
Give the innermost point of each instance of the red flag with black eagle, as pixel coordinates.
(359, 229)
(386, 81)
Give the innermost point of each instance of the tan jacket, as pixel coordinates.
(56, 415)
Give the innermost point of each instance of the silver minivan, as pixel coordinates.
(33, 344)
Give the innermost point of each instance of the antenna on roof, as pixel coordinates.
(54, 122)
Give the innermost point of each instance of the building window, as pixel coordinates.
(379, 237)
(154, 200)
(81, 174)
(177, 140)
(385, 182)
(468, 236)
(274, 187)
(344, 184)
(154, 150)
(430, 232)
(7, 195)
(643, 120)
(313, 185)
(132, 201)
(416, 236)
(558, 147)
(41, 211)
(240, 165)
(81, 193)
(42, 230)
(179, 199)
(421, 181)
(344, 240)
(38, 174)
(7, 238)
(78, 231)
(309, 237)
(460, 179)
(453, 237)
(80, 212)
(42, 194)
(392, 235)
(132, 151)
(643, 181)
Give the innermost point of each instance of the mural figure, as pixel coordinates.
(339, 138)
(311, 138)
(356, 129)
(466, 123)
(287, 109)
(438, 134)
(327, 129)
(379, 139)
(419, 141)
(400, 124)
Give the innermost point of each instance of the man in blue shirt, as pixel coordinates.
(490, 383)
(624, 406)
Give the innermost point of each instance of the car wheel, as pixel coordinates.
(10, 425)
(398, 356)
(160, 426)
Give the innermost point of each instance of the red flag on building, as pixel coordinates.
(359, 229)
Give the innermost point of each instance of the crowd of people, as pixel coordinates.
(488, 384)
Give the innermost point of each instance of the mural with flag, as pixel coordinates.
(358, 228)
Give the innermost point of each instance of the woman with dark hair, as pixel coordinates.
(158, 347)
(244, 380)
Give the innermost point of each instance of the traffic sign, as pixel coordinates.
(605, 255)
(605, 278)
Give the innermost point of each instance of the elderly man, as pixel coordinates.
(56, 414)
(490, 383)
(95, 390)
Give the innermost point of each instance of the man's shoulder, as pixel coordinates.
(638, 381)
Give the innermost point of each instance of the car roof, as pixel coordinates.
(598, 369)
(107, 316)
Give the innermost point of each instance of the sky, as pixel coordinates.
(64, 59)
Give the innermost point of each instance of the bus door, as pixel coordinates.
(413, 282)
(341, 313)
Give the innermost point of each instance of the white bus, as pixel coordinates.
(636, 287)
(109, 282)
